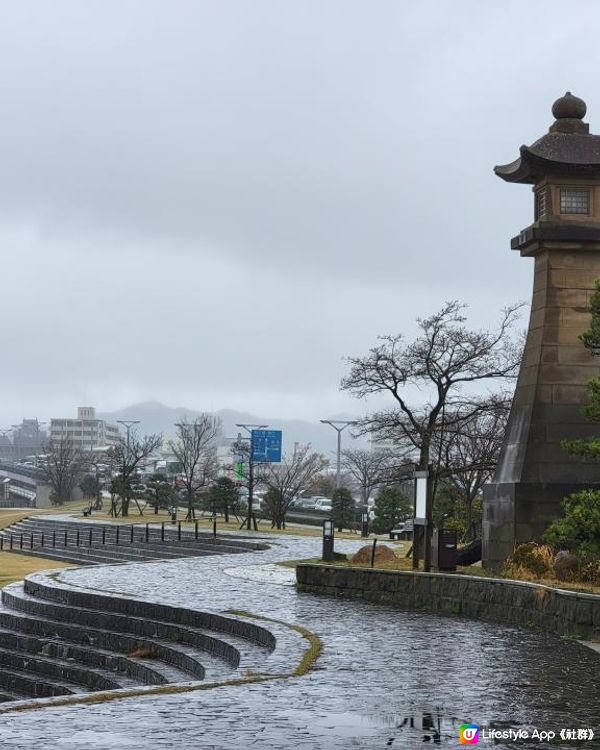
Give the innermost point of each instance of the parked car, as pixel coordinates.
(323, 504)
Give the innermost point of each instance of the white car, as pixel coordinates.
(323, 504)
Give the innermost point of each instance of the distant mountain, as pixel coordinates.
(156, 417)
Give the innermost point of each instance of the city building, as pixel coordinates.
(86, 431)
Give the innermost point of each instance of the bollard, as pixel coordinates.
(179, 530)
(21, 542)
(11, 541)
(65, 537)
(214, 525)
(1, 543)
(117, 536)
(373, 552)
(54, 538)
(31, 541)
(162, 532)
(131, 536)
(78, 537)
(90, 538)
(147, 533)
(196, 530)
(104, 535)
(42, 542)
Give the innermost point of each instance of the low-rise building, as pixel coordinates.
(86, 432)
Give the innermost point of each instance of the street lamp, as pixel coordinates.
(339, 429)
(128, 424)
(249, 428)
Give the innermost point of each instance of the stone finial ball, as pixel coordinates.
(569, 106)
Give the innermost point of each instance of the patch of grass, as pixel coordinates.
(311, 654)
(14, 567)
(116, 695)
(9, 516)
(205, 523)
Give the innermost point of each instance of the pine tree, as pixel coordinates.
(342, 509)
(590, 447)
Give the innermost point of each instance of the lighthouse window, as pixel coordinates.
(574, 201)
(541, 203)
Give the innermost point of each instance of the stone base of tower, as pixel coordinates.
(519, 512)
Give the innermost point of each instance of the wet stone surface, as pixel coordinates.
(386, 679)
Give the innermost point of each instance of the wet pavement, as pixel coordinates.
(386, 679)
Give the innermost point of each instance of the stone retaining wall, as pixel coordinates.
(512, 602)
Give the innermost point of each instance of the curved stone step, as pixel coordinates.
(42, 586)
(145, 627)
(58, 670)
(130, 670)
(33, 687)
(175, 663)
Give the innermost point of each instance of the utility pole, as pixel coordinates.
(334, 423)
(249, 428)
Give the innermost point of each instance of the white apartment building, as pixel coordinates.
(86, 432)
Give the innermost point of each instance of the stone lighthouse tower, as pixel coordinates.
(534, 472)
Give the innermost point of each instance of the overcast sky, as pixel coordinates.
(211, 203)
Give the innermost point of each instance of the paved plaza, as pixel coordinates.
(381, 672)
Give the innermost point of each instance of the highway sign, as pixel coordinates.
(266, 446)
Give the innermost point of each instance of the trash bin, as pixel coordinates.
(443, 553)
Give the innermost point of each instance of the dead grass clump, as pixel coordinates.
(383, 554)
(143, 653)
(531, 560)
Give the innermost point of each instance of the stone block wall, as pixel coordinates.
(557, 611)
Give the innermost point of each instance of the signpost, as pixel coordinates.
(265, 446)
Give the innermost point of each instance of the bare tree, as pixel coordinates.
(194, 448)
(470, 454)
(369, 468)
(62, 468)
(444, 359)
(286, 479)
(127, 457)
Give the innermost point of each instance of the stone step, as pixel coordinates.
(187, 536)
(154, 549)
(43, 586)
(173, 662)
(130, 670)
(32, 686)
(14, 597)
(60, 670)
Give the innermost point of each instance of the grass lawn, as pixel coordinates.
(205, 522)
(14, 567)
(12, 515)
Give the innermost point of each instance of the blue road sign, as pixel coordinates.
(266, 446)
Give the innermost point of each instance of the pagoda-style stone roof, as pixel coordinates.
(568, 148)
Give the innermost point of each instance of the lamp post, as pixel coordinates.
(128, 424)
(328, 534)
(249, 428)
(339, 425)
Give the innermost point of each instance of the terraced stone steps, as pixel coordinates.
(130, 671)
(99, 543)
(56, 639)
(170, 662)
(110, 621)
